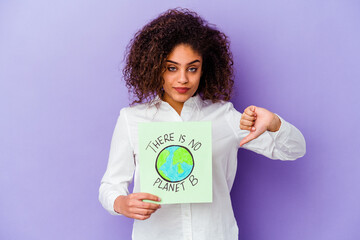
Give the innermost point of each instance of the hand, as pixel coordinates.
(132, 205)
(258, 120)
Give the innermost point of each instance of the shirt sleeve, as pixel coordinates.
(120, 167)
(287, 143)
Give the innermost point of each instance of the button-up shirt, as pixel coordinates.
(192, 221)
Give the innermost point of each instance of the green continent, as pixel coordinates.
(163, 175)
(162, 158)
(182, 155)
(180, 170)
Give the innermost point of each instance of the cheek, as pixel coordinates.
(165, 78)
(198, 77)
(169, 78)
(167, 83)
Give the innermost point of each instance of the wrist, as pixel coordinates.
(118, 204)
(275, 124)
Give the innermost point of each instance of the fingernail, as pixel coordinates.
(252, 128)
(159, 199)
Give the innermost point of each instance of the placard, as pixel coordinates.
(176, 161)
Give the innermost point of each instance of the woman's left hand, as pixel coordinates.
(258, 120)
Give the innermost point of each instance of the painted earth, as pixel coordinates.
(174, 163)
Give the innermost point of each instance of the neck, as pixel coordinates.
(177, 106)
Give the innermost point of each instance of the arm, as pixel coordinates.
(268, 134)
(113, 192)
(120, 167)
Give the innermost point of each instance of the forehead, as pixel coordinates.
(183, 53)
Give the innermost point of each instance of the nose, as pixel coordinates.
(183, 78)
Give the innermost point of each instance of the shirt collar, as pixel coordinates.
(195, 101)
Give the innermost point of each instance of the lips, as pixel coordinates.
(181, 89)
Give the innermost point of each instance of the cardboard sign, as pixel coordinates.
(176, 161)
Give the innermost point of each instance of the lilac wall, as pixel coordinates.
(61, 92)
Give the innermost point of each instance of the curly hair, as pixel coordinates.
(147, 51)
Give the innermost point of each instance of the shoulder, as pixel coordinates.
(219, 106)
(135, 108)
(138, 111)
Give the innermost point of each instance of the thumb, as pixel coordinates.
(248, 138)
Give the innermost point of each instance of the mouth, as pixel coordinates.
(181, 89)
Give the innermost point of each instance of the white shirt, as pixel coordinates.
(194, 221)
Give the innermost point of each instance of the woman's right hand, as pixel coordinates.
(132, 205)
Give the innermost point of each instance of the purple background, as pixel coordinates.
(61, 92)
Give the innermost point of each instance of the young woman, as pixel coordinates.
(179, 68)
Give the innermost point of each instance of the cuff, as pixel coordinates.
(110, 204)
(281, 135)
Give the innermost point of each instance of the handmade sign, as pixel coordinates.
(176, 161)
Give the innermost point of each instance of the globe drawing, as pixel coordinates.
(174, 163)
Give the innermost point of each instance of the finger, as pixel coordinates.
(147, 196)
(247, 128)
(139, 204)
(146, 205)
(143, 211)
(247, 117)
(250, 110)
(246, 123)
(253, 108)
(140, 217)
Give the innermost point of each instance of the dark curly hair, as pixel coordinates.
(148, 50)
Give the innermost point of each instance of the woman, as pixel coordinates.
(179, 68)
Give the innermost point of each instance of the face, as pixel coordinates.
(182, 75)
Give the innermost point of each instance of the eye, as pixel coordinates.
(192, 69)
(171, 69)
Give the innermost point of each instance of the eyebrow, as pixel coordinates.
(180, 64)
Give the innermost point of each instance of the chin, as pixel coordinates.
(183, 97)
(180, 98)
